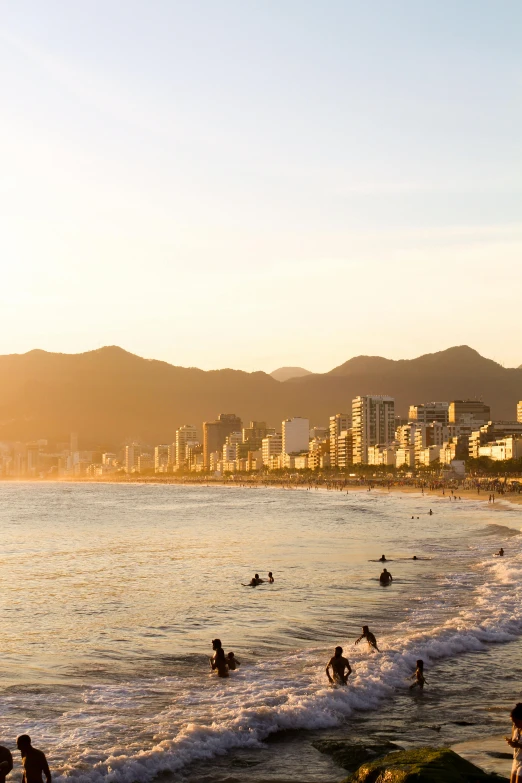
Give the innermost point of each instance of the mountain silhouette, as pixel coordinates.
(109, 395)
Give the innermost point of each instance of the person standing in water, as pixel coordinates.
(218, 662)
(419, 676)
(33, 761)
(232, 662)
(382, 558)
(338, 664)
(6, 763)
(515, 742)
(370, 638)
(270, 578)
(385, 578)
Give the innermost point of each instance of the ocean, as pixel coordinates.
(111, 595)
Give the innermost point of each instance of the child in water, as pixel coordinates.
(515, 742)
(270, 578)
(419, 676)
(232, 662)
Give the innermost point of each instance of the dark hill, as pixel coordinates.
(109, 395)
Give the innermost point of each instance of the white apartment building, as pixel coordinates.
(295, 435)
(344, 449)
(405, 455)
(428, 455)
(341, 422)
(507, 448)
(132, 454)
(381, 455)
(187, 435)
(519, 411)
(405, 434)
(427, 412)
(373, 422)
(491, 432)
(232, 441)
(271, 446)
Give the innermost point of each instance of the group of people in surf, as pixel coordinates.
(221, 663)
(256, 580)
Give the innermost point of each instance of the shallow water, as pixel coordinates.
(111, 595)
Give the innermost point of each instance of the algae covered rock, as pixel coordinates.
(422, 765)
(351, 755)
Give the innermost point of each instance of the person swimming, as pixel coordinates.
(370, 638)
(414, 557)
(385, 577)
(382, 559)
(419, 676)
(338, 664)
(431, 513)
(218, 661)
(258, 579)
(500, 552)
(232, 662)
(270, 578)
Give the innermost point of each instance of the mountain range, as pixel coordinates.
(109, 395)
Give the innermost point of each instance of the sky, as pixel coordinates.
(253, 184)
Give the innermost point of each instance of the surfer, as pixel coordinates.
(338, 664)
(382, 559)
(218, 661)
(232, 662)
(385, 577)
(33, 761)
(270, 578)
(500, 552)
(370, 638)
(515, 742)
(419, 676)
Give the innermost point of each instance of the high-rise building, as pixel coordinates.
(161, 459)
(132, 454)
(295, 435)
(341, 422)
(492, 431)
(185, 435)
(519, 411)
(271, 446)
(230, 446)
(373, 423)
(427, 412)
(215, 433)
(344, 449)
(469, 412)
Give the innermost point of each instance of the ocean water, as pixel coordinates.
(110, 596)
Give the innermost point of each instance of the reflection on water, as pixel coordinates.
(111, 595)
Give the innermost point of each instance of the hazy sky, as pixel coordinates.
(255, 184)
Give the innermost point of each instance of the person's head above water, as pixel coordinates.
(256, 576)
(420, 664)
(230, 655)
(338, 652)
(269, 573)
(23, 741)
(365, 628)
(414, 557)
(216, 644)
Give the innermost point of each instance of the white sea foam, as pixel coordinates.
(289, 693)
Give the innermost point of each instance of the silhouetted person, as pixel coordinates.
(338, 665)
(258, 579)
(500, 552)
(385, 577)
(382, 558)
(419, 676)
(232, 662)
(6, 763)
(370, 638)
(270, 578)
(414, 557)
(218, 662)
(431, 512)
(33, 761)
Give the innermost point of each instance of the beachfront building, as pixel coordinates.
(405, 433)
(319, 433)
(186, 435)
(344, 449)
(490, 432)
(161, 459)
(132, 454)
(341, 422)
(373, 422)
(295, 435)
(271, 447)
(506, 448)
(319, 453)
(381, 455)
(519, 411)
(405, 455)
(426, 412)
(215, 433)
(145, 463)
(229, 450)
(428, 455)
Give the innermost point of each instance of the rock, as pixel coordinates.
(351, 755)
(422, 765)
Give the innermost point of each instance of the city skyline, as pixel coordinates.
(172, 170)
